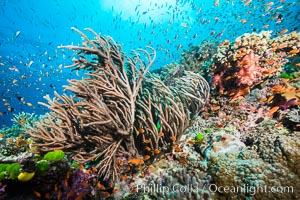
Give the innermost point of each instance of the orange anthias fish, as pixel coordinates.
(294, 51)
(173, 138)
(100, 186)
(37, 194)
(283, 31)
(243, 21)
(184, 25)
(136, 161)
(146, 157)
(156, 151)
(273, 110)
(217, 3)
(247, 2)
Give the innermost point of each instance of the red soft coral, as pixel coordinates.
(249, 69)
(218, 81)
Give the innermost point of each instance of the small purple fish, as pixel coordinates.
(291, 102)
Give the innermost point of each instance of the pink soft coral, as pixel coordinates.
(218, 81)
(249, 69)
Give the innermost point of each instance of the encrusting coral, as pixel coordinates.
(119, 110)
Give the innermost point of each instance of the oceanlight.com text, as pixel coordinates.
(252, 190)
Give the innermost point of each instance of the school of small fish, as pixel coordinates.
(31, 66)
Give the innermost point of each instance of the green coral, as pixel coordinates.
(3, 167)
(3, 171)
(75, 165)
(13, 170)
(208, 130)
(288, 76)
(2, 175)
(199, 137)
(54, 155)
(43, 166)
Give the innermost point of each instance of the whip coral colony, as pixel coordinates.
(118, 97)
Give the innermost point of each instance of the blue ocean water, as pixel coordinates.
(31, 65)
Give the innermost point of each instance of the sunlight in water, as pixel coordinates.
(127, 9)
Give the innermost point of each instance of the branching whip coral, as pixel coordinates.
(119, 110)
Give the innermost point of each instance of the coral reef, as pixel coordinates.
(48, 177)
(255, 177)
(119, 110)
(294, 115)
(25, 120)
(249, 160)
(13, 141)
(179, 183)
(198, 58)
(170, 71)
(142, 135)
(250, 60)
(21, 122)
